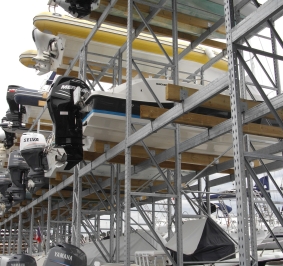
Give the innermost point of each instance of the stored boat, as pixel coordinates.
(105, 119)
(269, 242)
(106, 43)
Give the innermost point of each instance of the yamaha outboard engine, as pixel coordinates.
(32, 147)
(78, 8)
(18, 260)
(65, 254)
(65, 113)
(18, 170)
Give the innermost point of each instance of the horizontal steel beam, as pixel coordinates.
(248, 116)
(45, 196)
(255, 19)
(230, 178)
(259, 155)
(275, 148)
(260, 52)
(190, 103)
(152, 195)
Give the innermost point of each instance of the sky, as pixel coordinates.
(16, 26)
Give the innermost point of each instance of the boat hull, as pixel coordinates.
(107, 42)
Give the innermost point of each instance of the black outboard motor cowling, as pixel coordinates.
(78, 8)
(14, 114)
(18, 260)
(9, 139)
(18, 170)
(67, 118)
(65, 254)
(5, 183)
(13, 118)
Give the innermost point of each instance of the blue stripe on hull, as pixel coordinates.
(107, 112)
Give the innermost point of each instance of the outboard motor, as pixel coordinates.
(5, 138)
(65, 254)
(32, 147)
(9, 139)
(5, 182)
(49, 51)
(64, 105)
(18, 170)
(78, 8)
(13, 118)
(2, 135)
(14, 115)
(18, 260)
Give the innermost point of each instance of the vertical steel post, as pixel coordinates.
(64, 233)
(20, 231)
(251, 207)
(208, 209)
(38, 126)
(153, 223)
(275, 63)
(14, 239)
(115, 71)
(127, 135)
(111, 248)
(74, 213)
(31, 231)
(82, 63)
(200, 196)
(118, 215)
(57, 225)
(202, 77)
(169, 210)
(243, 91)
(41, 225)
(177, 174)
(98, 221)
(77, 205)
(175, 70)
(14, 242)
(4, 238)
(237, 132)
(70, 233)
(48, 225)
(120, 67)
(10, 238)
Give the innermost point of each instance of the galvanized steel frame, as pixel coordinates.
(235, 33)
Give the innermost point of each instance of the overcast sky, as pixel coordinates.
(17, 24)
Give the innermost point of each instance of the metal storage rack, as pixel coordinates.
(71, 213)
